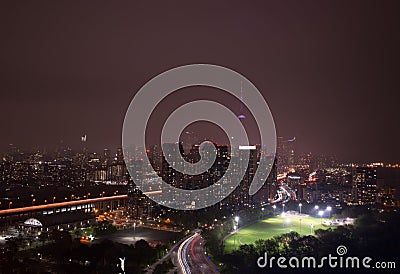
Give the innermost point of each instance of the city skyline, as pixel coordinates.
(49, 151)
(199, 137)
(327, 70)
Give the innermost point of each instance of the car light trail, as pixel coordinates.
(182, 260)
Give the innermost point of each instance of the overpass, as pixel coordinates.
(69, 204)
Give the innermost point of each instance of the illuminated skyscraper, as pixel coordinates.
(286, 154)
(364, 185)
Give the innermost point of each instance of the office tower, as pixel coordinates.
(169, 174)
(364, 185)
(286, 154)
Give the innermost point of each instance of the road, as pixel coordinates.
(192, 258)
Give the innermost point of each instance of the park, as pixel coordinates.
(272, 226)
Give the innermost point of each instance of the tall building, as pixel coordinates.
(286, 154)
(169, 174)
(364, 185)
(240, 197)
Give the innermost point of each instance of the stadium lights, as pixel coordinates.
(329, 210)
(320, 213)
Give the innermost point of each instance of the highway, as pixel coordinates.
(182, 255)
(192, 258)
(20, 210)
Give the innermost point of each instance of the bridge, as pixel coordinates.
(20, 210)
(86, 205)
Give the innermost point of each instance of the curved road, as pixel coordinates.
(192, 257)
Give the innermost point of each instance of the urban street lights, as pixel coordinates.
(316, 207)
(300, 205)
(9, 205)
(54, 199)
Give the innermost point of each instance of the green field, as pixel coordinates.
(270, 227)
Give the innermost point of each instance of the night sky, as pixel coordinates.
(329, 71)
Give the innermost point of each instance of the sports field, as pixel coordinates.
(270, 227)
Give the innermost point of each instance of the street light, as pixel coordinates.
(329, 210)
(237, 221)
(283, 209)
(300, 225)
(234, 236)
(300, 205)
(9, 204)
(33, 201)
(320, 213)
(235, 227)
(274, 207)
(54, 199)
(316, 207)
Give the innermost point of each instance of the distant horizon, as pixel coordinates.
(75, 149)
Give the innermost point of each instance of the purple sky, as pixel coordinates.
(329, 71)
